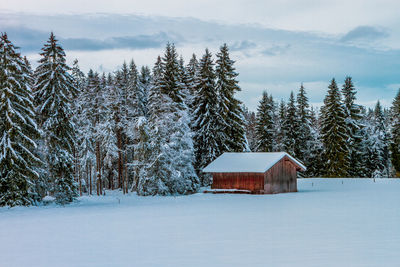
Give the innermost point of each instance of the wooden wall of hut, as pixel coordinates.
(281, 178)
(242, 180)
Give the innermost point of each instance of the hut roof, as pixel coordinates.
(249, 162)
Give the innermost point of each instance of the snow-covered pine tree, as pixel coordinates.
(280, 118)
(133, 95)
(395, 133)
(153, 178)
(40, 186)
(108, 129)
(142, 156)
(80, 84)
(192, 70)
(291, 128)
(379, 145)
(54, 91)
(334, 134)
(231, 110)
(208, 124)
(86, 132)
(304, 135)
(170, 82)
(144, 87)
(251, 123)
(18, 129)
(95, 115)
(315, 155)
(265, 124)
(121, 83)
(353, 121)
(183, 179)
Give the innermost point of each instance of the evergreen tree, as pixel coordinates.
(334, 133)
(170, 82)
(290, 128)
(209, 126)
(265, 124)
(54, 91)
(304, 135)
(315, 156)
(142, 156)
(108, 127)
(251, 122)
(395, 132)
(18, 129)
(280, 127)
(192, 70)
(354, 126)
(153, 179)
(231, 111)
(144, 86)
(378, 145)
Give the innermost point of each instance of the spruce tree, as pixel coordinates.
(144, 86)
(354, 126)
(170, 82)
(109, 129)
(334, 134)
(315, 156)
(251, 124)
(265, 124)
(304, 135)
(231, 111)
(192, 70)
(395, 133)
(290, 128)
(280, 127)
(153, 179)
(54, 91)
(208, 124)
(18, 129)
(379, 145)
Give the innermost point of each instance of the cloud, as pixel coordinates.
(32, 40)
(365, 33)
(130, 42)
(276, 50)
(242, 45)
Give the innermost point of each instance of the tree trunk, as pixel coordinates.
(98, 169)
(126, 174)
(80, 180)
(90, 179)
(119, 144)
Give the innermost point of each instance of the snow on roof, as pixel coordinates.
(248, 162)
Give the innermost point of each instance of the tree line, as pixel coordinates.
(341, 139)
(65, 133)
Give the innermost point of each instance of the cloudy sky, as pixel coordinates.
(277, 44)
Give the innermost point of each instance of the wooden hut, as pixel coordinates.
(259, 173)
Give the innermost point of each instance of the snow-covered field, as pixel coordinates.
(326, 223)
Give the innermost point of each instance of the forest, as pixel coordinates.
(64, 133)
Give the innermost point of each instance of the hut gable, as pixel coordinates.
(252, 162)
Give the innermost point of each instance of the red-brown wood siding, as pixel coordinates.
(282, 177)
(238, 180)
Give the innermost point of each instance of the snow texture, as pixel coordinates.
(248, 162)
(326, 223)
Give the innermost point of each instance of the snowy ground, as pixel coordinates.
(326, 223)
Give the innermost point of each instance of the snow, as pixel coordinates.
(248, 162)
(326, 223)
